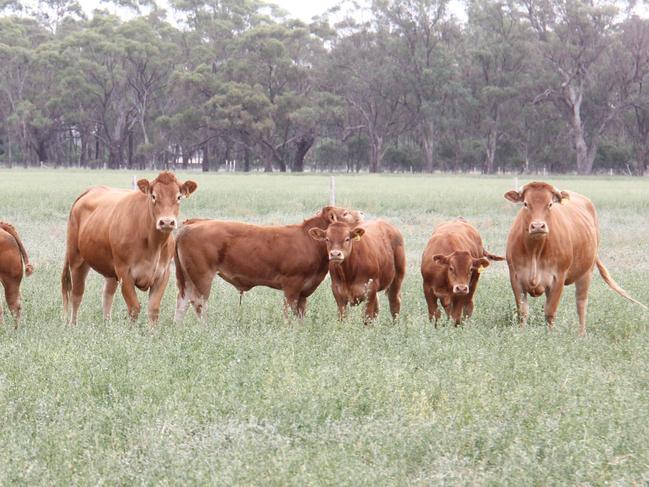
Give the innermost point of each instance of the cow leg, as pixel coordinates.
(78, 274)
(341, 302)
(110, 286)
(581, 294)
(372, 307)
(457, 303)
(394, 297)
(520, 296)
(301, 306)
(155, 297)
(200, 294)
(431, 301)
(12, 295)
(2, 317)
(182, 304)
(129, 294)
(552, 298)
(468, 303)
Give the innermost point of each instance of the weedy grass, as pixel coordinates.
(251, 397)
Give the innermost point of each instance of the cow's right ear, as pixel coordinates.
(329, 214)
(514, 196)
(440, 259)
(318, 234)
(188, 188)
(144, 185)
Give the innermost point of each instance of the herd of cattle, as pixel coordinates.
(127, 236)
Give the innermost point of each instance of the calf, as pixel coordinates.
(126, 236)
(552, 243)
(279, 257)
(451, 267)
(12, 258)
(364, 260)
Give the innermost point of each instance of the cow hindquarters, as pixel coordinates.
(12, 296)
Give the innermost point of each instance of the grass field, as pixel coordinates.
(252, 398)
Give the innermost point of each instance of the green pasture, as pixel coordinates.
(252, 398)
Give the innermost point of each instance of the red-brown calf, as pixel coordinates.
(12, 257)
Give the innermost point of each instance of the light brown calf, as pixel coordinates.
(552, 243)
(12, 257)
(245, 255)
(364, 260)
(126, 236)
(451, 267)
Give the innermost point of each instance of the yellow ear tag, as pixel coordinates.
(357, 238)
(564, 201)
(481, 269)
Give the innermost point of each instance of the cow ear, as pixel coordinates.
(481, 262)
(514, 196)
(440, 259)
(317, 234)
(357, 233)
(558, 196)
(144, 185)
(188, 188)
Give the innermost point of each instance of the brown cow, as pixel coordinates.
(364, 260)
(245, 255)
(553, 242)
(12, 257)
(125, 236)
(451, 267)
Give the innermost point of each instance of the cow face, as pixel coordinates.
(460, 267)
(539, 200)
(164, 194)
(339, 238)
(336, 214)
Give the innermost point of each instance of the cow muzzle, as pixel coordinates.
(166, 224)
(461, 289)
(336, 256)
(538, 228)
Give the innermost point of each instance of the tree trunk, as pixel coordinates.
(489, 164)
(205, 167)
(130, 151)
(9, 162)
(246, 159)
(303, 146)
(185, 158)
(428, 144)
(376, 153)
(267, 154)
(114, 155)
(585, 155)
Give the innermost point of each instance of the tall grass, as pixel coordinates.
(253, 398)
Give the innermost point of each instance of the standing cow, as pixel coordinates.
(12, 257)
(126, 236)
(451, 267)
(245, 255)
(552, 243)
(363, 261)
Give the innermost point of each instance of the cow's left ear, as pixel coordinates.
(440, 259)
(144, 185)
(317, 234)
(514, 196)
(357, 233)
(188, 187)
(559, 196)
(482, 262)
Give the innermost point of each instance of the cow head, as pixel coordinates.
(460, 267)
(339, 237)
(539, 200)
(333, 214)
(164, 194)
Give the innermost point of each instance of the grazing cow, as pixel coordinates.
(245, 255)
(364, 260)
(451, 267)
(552, 243)
(12, 257)
(125, 236)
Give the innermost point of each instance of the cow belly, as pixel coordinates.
(145, 274)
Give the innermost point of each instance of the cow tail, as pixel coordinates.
(492, 257)
(614, 285)
(29, 268)
(181, 280)
(66, 284)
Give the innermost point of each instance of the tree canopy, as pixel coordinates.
(390, 85)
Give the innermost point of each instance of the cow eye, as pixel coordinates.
(525, 204)
(326, 239)
(347, 239)
(179, 196)
(153, 198)
(452, 269)
(550, 205)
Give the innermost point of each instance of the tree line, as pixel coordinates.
(394, 85)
